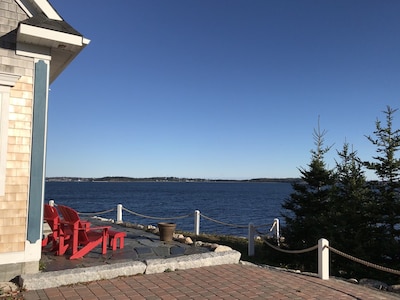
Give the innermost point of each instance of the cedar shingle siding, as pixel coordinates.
(13, 204)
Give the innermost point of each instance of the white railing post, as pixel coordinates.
(51, 202)
(277, 230)
(119, 214)
(323, 259)
(250, 250)
(196, 222)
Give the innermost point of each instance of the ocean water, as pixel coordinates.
(233, 203)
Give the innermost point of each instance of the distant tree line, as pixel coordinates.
(357, 216)
(164, 179)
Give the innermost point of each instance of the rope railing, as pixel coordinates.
(323, 264)
(301, 251)
(120, 208)
(52, 203)
(96, 213)
(259, 232)
(263, 225)
(322, 246)
(363, 262)
(223, 223)
(155, 218)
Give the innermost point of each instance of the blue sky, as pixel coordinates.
(220, 89)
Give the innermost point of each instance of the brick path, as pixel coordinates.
(215, 282)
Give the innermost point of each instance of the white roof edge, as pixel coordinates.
(24, 8)
(48, 10)
(85, 41)
(48, 34)
(44, 5)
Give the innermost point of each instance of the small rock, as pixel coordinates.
(374, 284)
(352, 280)
(213, 246)
(8, 287)
(199, 244)
(188, 241)
(151, 227)
(103, 219)
(395, 288)
(222, 248)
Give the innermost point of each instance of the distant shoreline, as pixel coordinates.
(163, 179)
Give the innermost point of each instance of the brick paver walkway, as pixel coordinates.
(215, 282)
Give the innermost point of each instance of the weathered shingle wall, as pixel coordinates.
(13, 204)
(10, 15)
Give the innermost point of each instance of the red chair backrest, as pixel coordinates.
(51, 216)
(72, 217)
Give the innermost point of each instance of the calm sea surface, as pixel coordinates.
(234, 203)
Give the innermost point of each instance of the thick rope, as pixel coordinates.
(96, 213)
(155, 218)
(262, 233)
(262, 225)
(363, 262)
(292, 251)
(223, 223)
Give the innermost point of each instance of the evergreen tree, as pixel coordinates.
(351, 214)
(386, 190)
(351, 199)
(305, 212)
(358, 217)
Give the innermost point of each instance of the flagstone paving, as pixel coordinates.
(139, 245)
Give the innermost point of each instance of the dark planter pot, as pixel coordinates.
(166, 231)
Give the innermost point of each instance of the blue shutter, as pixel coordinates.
(38, 152)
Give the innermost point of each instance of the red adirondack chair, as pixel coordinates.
(58, 235)
(84, 238)
(52, 218)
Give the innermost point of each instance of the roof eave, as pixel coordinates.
(59, 47)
